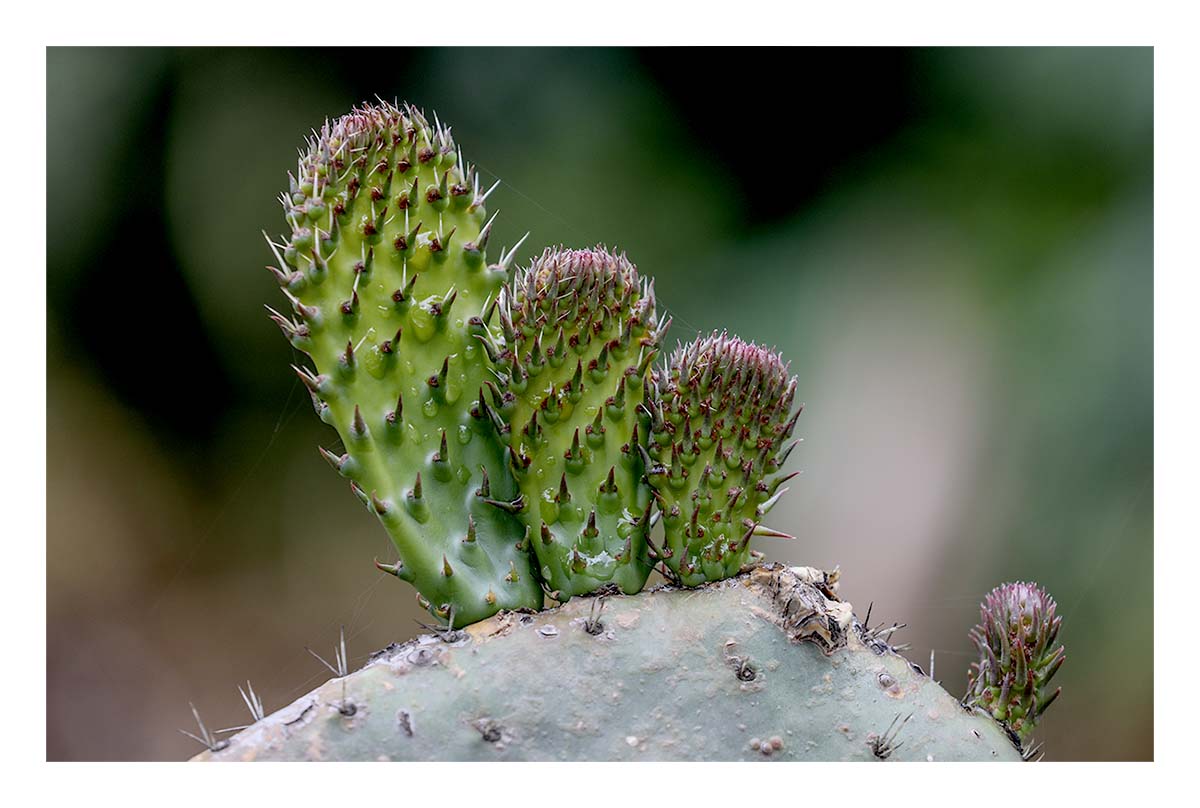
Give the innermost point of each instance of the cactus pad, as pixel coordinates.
(721, 417)
(389, 288)
(580, 333)
(770, 666)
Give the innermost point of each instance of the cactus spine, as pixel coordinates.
(580, 332)
(386, 274)
(1017, 656)
(720, 421)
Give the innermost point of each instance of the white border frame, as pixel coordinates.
(620, 22)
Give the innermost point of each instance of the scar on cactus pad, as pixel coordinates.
(515, 430)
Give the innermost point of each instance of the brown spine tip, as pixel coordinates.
(610, 483)
(334, 460)
(578, 564)
(378, 504)
(358, 426)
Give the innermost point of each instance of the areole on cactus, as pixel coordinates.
(515, 438)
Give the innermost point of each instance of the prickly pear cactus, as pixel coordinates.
(721, 420)
(768, 666)
(513, 438)
(580, 332)
(389, 288)
(1017, 656)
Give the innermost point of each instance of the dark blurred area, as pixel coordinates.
(953, 247)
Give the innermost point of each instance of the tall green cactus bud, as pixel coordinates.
(721, 423)
(389, 291)
(1017, 656)
(580, 332)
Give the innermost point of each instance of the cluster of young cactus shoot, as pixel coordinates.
(516, 429)
(517, 436)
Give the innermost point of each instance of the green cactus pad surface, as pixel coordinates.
(769, 666)
(385, 271)
(721, 421)
(1018, 657)
(580, 332)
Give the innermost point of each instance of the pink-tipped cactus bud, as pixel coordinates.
(720, 428)
(1018, 657)
(580, 332)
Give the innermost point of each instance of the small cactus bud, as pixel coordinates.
(719, 414)
(563, 320)
(1015, 639)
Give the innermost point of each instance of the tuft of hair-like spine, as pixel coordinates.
(580, 332)
(1015, 638)
(721, 423)
(385, 271)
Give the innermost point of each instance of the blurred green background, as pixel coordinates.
(953, 247)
